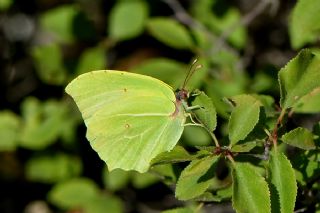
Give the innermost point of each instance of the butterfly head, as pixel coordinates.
(182, 94)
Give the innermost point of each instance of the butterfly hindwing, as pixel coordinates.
(128, 117)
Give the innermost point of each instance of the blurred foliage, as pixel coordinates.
(241, 44)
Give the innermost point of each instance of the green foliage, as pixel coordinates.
(206, 113)
(49, 64)
(167, 70)
(298, 79)
(91, 59)
(9, 126)
(127, 19)
(83, 194)
(299, 137)
(179, 210)
(51, 169)
(244, 117)
(283, 184)
(5, 4)
(59, 22)
(195, 179)
(250, 190)
(170, 32)
(44, 123)
(304, 25)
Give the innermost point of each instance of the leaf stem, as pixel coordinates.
(199, 207)
(275, 130)
(231, 159)
(214, 138)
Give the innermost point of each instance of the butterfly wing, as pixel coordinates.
(128, 117)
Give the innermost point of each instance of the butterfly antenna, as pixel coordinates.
(193, 68)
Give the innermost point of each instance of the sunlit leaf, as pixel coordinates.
(309, 103)
(196, 178)
(250, 190)
(177, 154)
(5, 4)
(283, 184)
(299, 78)
(244, 117)
(304, 26)
(299, 137)
(206, 113)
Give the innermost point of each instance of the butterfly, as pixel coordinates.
(130, 118)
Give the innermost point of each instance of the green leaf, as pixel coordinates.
(244, 117)
(206, 113)
(168, 172)
(91, 59)
(143, 180)
(283, 184)
(10, 125)
(165, 69)
(5, 4)
(116, 179)
(104, 204)
(59, 22)
(179, 210)
(307, 166)
(49, 64)
(309, 103)
(299, 137)
(50, 169)
(170, 32)
(217, 196)
(245, 147)
(250, 190)
(127, 19)
(299, 78)
(219, 23)
(196, 136)
(304, 26)
(196, 178)
(73, 193)
(43, 122)
(177, 154)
